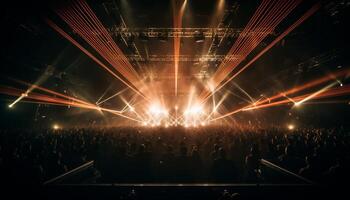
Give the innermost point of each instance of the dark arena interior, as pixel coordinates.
(175, 99)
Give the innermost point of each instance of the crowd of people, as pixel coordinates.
(165, 155)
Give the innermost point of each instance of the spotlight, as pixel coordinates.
(10, 105)
(290, 127)
(55, 127)
(197, 109)
(194, 110)
(296, 104)
(155, 110)
(199, 36)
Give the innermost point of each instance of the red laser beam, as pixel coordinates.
(70, 101)
(80, 17)
(177, 20)
(75, 43)
(310, 12)
(339, 91)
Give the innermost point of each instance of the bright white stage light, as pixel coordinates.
(296, 104)
(56, 127)
(194, 110)
(157, 110)
(291, 127)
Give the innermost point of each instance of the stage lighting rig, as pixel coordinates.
(157, 115)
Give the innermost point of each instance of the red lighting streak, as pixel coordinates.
(268, 15)
(307, 85)
(75, 43)
(339, 91)
(69, 101)
(329, 93)
(177, 20)
(79, 16)
(280, 37)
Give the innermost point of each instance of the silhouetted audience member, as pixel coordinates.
(223, 169)
(162, 155)
(252, 161)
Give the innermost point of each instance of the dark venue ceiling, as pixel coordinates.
(151, 37)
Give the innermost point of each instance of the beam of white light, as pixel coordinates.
(244, 92)
(236, 95)
(103, 94)
(290, 99)
(157, 114)
(157, 110)
(128, 105)
(315, 94)
(111, 97)
(215, 108)
(19, 98)
(45, 75)
(190, 97)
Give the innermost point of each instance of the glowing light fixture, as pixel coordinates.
(291, 127)
(56, 127)
(157, 110)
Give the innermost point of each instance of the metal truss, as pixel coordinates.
(180, 32)
(183, 58)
